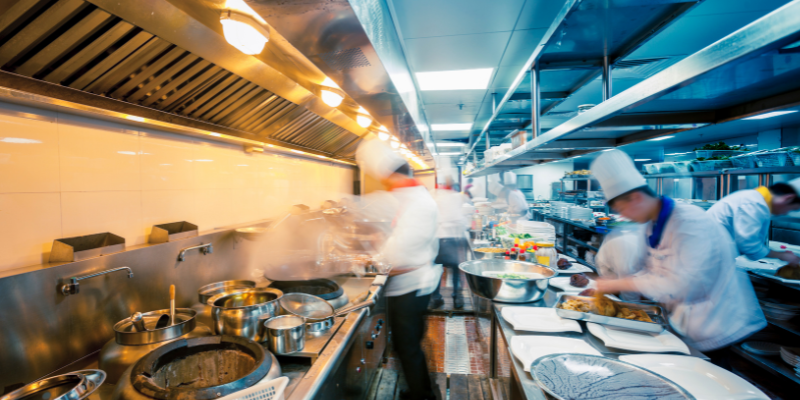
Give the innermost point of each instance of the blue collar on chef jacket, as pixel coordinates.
(667, 205)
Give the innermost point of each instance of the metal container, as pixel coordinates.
(237, 313)
(204, 311)
(76, 385)
(285, 334)
(507, 290)
(485, 255)
(655, 313)
(129, 345)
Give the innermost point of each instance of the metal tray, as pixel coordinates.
(656, 313)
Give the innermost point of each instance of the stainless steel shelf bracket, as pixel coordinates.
(204, 248)
(73, 287)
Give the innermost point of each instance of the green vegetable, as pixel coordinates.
(722, 146)
(511, 276)
(715, 158)
(527, 236)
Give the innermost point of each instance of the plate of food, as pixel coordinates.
(574, 283)
(568, 265)
(606, 311)
(664, 342)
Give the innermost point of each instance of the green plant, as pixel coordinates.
(722, 146)
(715, 158)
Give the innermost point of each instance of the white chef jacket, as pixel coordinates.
(622, 254)
(746, 216)
(693, 274)
(413, 243)
(517, 204)
(453, 223)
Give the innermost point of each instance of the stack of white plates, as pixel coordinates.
(485, 209)
(778, 311)
(791, 355)
(580, 213)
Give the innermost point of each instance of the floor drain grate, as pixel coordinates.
(456, 356)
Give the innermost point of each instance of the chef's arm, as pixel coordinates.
(787, 256)
(616, 285)
(748, 220)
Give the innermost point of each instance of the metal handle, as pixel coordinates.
(204, 248)
(73, 287)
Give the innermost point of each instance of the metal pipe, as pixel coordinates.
(494, 103)
(204, 248)
(606, 79)
(73, 287)
(536, 101)
(488, 142)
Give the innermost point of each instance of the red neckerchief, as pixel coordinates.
(410, 182)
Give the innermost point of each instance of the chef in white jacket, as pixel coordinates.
(410, 249)
(622, 254)
(689, 266)
(746, 215)
(517, 204)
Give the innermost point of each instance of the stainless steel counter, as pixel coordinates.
(527, 387)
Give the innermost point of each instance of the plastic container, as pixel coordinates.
(773, 159)
(681, 166)
(666, 168)
(547, 255)
(651, 169)
(747, 160)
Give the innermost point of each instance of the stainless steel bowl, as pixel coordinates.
(238, 312)
(506, 290)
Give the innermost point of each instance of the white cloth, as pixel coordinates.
(616, 173)
(517, 204)
(693, 274)
(509, 178)
(453, 222)
(623, 253)
(745, 215)
(377, 159)
(413, 243)
(493, 184)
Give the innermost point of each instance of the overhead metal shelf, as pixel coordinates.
(710, 86)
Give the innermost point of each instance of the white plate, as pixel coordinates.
(562, 282)
(538, 319)
(704, 380)
(664, 342)
(528, 348)
(574, 269)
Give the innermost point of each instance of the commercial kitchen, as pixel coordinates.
(186, 211)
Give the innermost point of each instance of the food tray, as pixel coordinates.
(656, 313)
(773, 159)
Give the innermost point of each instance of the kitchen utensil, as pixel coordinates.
(206, 292)
(76, 385)
(664, 342)
(762, 348)
(572, 376)
(285, 334)
(137, 322)
(538, 319)
(165, 320)
(317, 312)
(655, 313)
(529, 348)
(171, 304)
(506, 290)
(237, 312)
(129, 345)
(702, 379)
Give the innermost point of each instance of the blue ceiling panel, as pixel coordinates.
(521, 46)
(539, 14)
(431, 18)
(456, 52)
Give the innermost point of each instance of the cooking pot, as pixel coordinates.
(238, 312)
(128, 345)
(76, 385)
(206, 292)
(198, 369)
(285, 334)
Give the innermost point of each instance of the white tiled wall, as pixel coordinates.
(63, 175)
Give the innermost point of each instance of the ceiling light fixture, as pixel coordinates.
(465, 79)
(383, 133)
(243, 32)
(16, 140)
(449, 154)
(332, 94)
(661, 138)
(451, 127)
(609, 149)
(770, 115)
(363, 118)
(641, 159)
(395, 143)
(450, 144)
(135, 118)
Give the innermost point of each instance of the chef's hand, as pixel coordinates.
(789, 257)
(615, 285)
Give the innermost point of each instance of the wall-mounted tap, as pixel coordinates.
(73, 287)
(204, 248)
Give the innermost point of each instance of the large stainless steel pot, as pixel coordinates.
(206, 292)
(239, 312)
(128, 345)
(76, 385)
(507, 290)
(199, 369)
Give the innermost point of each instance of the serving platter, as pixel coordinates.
(589, 377)
(529, 348)
(538, 319)
(656, 313)
(664, 342)
(704, 380)
(562, 282)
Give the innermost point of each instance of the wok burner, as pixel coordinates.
(323, 288)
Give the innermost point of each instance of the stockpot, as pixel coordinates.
(239, 312)
(206, 292)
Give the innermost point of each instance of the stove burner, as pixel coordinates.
(322, 288)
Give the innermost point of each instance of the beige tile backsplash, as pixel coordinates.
(63, 175)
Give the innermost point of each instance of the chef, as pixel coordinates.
(513, 197)
(746, 215)
(453, 245)
(622, 254)
(410, 249)
(689, 267)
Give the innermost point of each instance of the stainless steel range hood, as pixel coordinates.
(168, 62)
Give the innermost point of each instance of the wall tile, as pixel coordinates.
(216, 208)
(97, 155)
(165, 206)
(30, 221)
(214, 168)
(167, 163)
(118, 212)
(28, 155)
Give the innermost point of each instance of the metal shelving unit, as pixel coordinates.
(724, 177)
(774, 364)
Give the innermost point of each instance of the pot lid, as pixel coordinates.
(202, 368)
(72, 386)
(325, 289)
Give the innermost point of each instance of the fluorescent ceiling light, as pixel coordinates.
(448, 154)
(608, 149)
(243, 32)
(770, 115)
(641, 159)
(127, 153)
(135, 118)
(465, 79)
(661, 138)
(677, 154)
(17, 140)
(451, 127)
(450, 144)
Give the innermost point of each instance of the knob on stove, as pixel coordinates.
(380, 322)
(370, 345)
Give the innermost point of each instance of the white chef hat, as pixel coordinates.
(509, 178)
(377, 159)
(493, 184)
(616, 173)
(795, 184)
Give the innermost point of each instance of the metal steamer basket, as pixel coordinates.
(76, 385)
(655, 313)
(507, 290)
